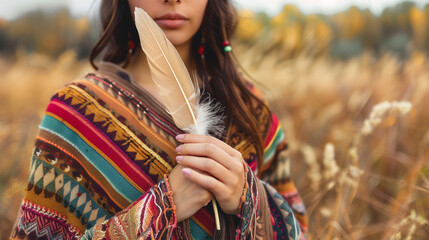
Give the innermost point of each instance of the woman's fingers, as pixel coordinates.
(207, 150)
(196, 138)
(207, 182)
(204, 164)
(213, 165)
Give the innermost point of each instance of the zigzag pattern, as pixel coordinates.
(53, 182)
(141, 111)
(38, 222)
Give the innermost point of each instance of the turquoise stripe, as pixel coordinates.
(197, 232)
(277, 139)
(119, 183)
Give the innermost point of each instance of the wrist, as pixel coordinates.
(168, 199)
(244, 193)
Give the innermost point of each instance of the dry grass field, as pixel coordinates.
(359, 137)
(358, 132)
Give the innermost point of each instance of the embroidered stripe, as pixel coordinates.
(118, 182)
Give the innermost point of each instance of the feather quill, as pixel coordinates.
(179, 94)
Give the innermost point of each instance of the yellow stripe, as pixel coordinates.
(132, 114)
(105, 111)
(274, 137)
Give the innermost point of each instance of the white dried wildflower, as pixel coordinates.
(353, 153)
(381, 111)
(343, 178)
(314, 173)
(330, 185)
(330, 165)
(326, 212)
(411, 223)
(375, 117)
(402, 108)
(351, 181)
(411, 231)
(355, 172)
(396, 236)
(351, 174)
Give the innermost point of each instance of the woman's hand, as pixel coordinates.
(188, 196)
(215, 166)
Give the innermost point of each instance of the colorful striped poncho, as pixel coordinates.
(100, 165)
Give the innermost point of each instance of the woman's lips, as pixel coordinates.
(170, 23)
(171, 20)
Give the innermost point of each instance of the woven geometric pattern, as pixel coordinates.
(46, 179)
(291, 223)
(37, 222)
(102, 156)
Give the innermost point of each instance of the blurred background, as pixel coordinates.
(349, 81)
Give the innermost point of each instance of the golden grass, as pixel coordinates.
(382, 176)
(355, 186)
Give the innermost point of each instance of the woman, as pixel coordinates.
(109, 163)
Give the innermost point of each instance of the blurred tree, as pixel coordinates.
(346, 49)
(396, 19)
(249, 26)
(351, 23)
(51, 34)
(426, 11)
(401, 29)
(387, 22)
(372, 34)
(419, 27)
(317, 35)
(286, 31)
(6, 44)
(398, 44)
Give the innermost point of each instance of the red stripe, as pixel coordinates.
(205, 219)
(100, 141)
(272, 131)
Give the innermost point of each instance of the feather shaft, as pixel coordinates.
(165, 64)
(177, 79)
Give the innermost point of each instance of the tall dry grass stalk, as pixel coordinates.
(358, 132)
(357, 184)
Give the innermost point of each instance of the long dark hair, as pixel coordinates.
(222, 80)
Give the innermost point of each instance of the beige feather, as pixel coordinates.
(168, 71)
(180, 97)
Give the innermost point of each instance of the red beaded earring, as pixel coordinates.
(131, 46)
(202, 47)
(226, 46)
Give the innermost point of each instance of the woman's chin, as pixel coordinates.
(177, 39)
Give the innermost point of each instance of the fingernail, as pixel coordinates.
(179, 159)
(180, 137)
(186, 171)
(179, 148)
